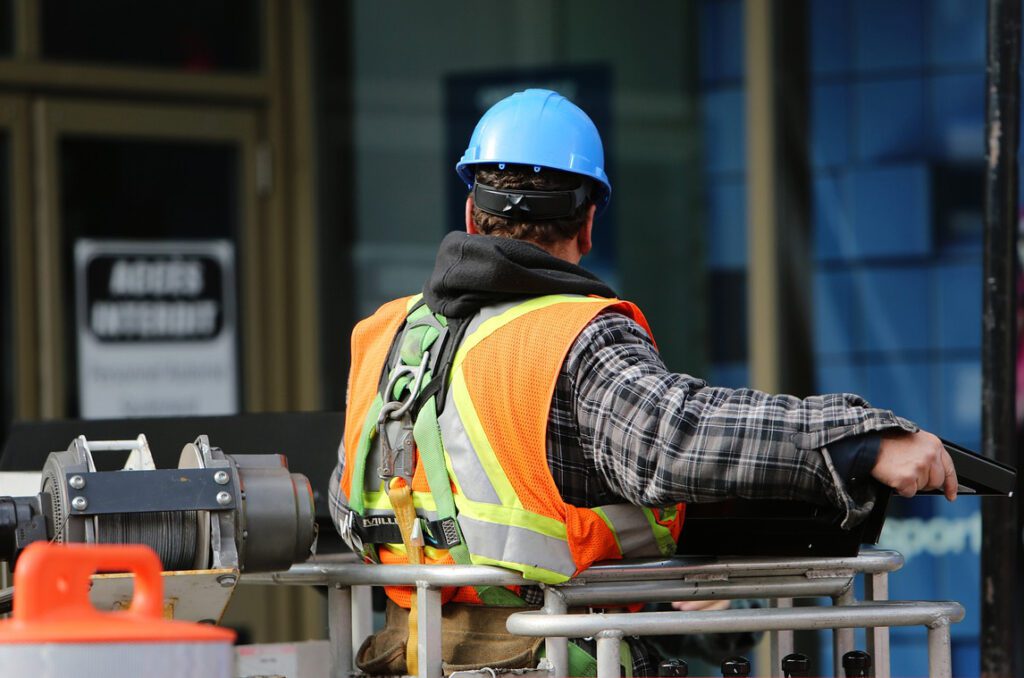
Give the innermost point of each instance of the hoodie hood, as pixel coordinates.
(473, 271)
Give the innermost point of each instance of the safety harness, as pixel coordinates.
(404, 418)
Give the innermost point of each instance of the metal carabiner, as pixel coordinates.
(395, 410)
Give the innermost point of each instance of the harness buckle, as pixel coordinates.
(348, 532)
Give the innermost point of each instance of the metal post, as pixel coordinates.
(781, 641)
(1001, 651)
(940, 662)
(876, 587)
(556, 648)
(842, 638)
(362, 615)
(428, 602)
(608, 654)
(339, 627)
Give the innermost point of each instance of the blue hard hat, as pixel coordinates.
(541, 128)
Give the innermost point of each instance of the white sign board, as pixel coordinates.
(157, 328)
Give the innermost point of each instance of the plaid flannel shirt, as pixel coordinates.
(624, 428)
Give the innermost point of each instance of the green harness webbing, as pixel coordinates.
(427, 435)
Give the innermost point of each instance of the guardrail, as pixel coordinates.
(684, 578)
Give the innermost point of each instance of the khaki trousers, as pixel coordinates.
(472, 637)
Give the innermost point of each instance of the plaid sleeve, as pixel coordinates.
(659, 437)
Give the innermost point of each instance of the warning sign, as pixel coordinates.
(156, 328)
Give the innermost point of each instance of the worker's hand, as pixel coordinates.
(912, 462)
(695, 605)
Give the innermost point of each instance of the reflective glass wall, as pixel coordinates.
(897, 109)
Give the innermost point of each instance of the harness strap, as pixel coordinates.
(427, 433)
(439, 534)
(400, 496)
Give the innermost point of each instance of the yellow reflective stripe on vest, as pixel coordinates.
(633, 529)
(471, 452)
(489, 326)
(537, 556)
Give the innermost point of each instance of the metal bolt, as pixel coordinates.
(223, 498)
(79, 503)
(227, 580)
(221, 477)
(77, 482)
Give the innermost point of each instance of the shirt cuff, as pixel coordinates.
(855, 457)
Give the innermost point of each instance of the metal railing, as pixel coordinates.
(685, 578)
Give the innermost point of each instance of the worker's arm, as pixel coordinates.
(658, 437)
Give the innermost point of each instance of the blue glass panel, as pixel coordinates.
(957, 293)
(727, 224)
(724, 131)
(830, 125)
(838, 376)
(890, 211)
(721, 40)
(830, 36)
(834, 313)
(730, 375)
(889, 35)
(893, 309)
(890, 119)
(957, 105)
(966, 653)
(901, 386)
(833, 237)
(958, 391)
(956, 31)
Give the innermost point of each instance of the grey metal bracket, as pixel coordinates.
(101, 492)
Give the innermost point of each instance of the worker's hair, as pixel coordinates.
(520, 177)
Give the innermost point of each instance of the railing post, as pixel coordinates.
(940, 662)
(362, 615)
(428, 603)
(842, 639)
(556, 649)
(339, 627)
(609, 654)
(781, 641)
(876, 587)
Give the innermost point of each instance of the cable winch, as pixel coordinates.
(245, 512)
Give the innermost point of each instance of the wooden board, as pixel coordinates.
(189, 595)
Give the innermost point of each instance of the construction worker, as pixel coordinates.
(517, 413)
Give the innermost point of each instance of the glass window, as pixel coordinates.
(412, 108)
(188, 35)
(142, 190)
(896, 139)
(6, 28)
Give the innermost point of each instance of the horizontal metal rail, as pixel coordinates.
(342, 570)
(609, 629)
(348, 574)
(858, 615)
(625, 593)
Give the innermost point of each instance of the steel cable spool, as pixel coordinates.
(172, 534)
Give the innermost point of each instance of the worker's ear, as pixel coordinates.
(583, 238)
(470, 224)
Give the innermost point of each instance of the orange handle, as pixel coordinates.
(55, 578)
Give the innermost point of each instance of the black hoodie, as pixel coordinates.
(473, 271)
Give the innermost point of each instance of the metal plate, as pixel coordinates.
(146, 491)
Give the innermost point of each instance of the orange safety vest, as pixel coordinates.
(492, 431)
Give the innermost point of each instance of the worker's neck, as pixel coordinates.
(566, 250)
